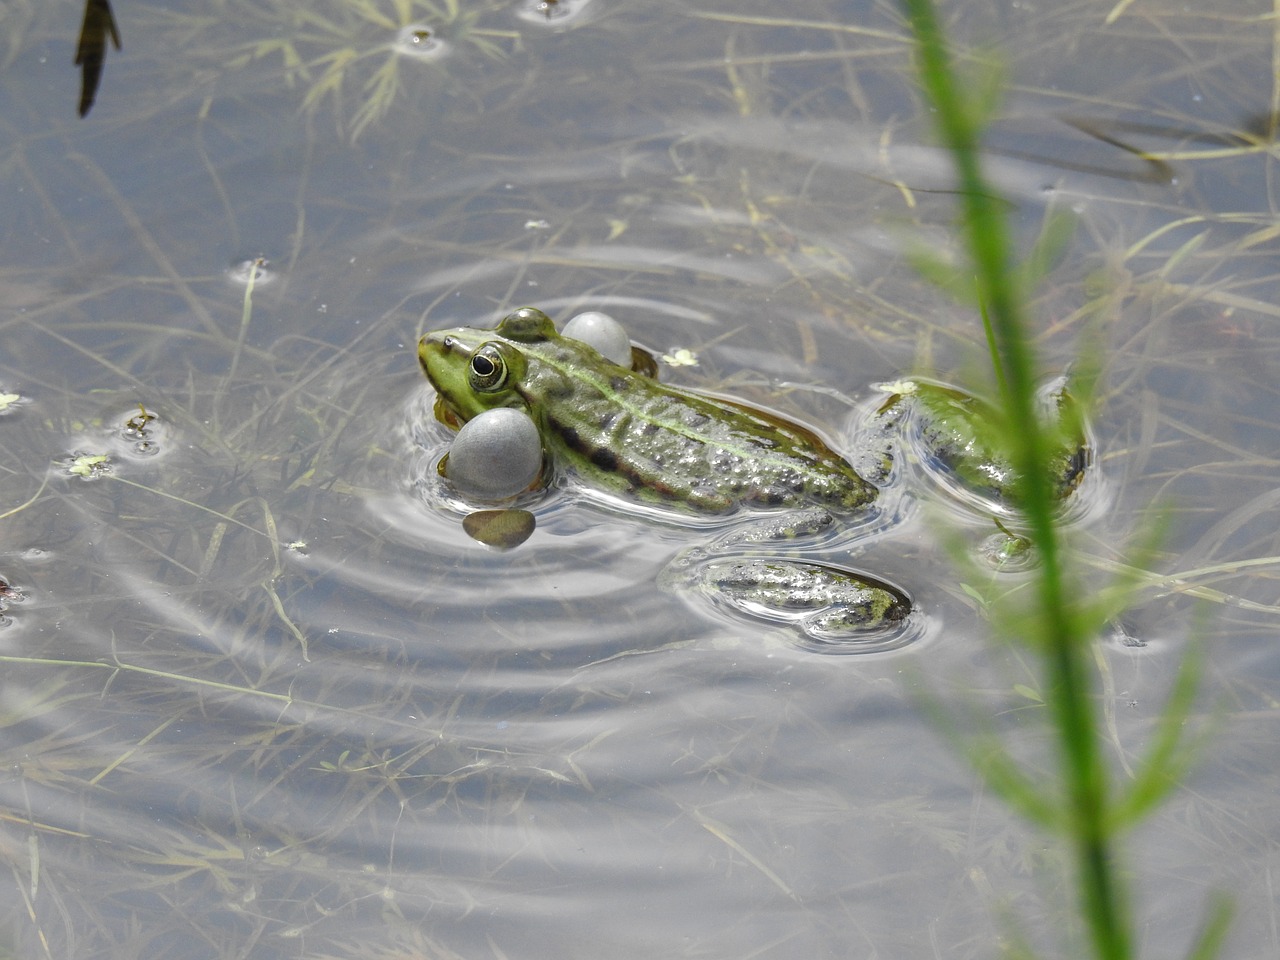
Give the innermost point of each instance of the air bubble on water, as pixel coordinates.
(257, 269)
(553, 13)
(419, 42)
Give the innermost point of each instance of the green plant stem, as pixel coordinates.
(1064, 635)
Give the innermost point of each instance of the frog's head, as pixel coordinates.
(477, 370)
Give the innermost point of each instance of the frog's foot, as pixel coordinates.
(828, 604)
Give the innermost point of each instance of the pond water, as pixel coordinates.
(262, 699)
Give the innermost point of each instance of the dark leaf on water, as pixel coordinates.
(91, 52)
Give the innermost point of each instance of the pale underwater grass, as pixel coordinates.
(169, 681)
(357, 56)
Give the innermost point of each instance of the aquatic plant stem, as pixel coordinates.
(1060, 629)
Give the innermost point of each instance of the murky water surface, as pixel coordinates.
(260, 698)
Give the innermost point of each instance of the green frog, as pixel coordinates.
(689, 456)
(692, 458)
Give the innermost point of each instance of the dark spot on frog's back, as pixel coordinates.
(566, 433)
(1073, 474)
(604, 458)
(618, 384)
(558, 389)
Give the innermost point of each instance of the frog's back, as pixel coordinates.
(664, 445)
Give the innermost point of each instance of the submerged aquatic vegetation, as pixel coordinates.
(376, 799)
(1060, 623)
(358, 56)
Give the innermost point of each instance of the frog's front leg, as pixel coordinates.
(829, 604)
(792, 525)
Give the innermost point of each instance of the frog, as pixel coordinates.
(698, 459)
(689, 458)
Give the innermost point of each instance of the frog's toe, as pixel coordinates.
(879, 610)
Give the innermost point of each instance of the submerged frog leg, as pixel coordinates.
(681, 571)
(786, 526)
(828, 603)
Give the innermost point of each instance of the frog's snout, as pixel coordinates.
(424, 351)
(433, 350)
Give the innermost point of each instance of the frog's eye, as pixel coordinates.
(488, 370)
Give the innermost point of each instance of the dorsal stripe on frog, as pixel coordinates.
(597, 428)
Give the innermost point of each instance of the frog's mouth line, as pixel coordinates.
(445, 412)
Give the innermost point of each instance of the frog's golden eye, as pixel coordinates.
(488, 370)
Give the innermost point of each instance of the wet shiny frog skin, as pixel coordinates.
(627, 434)
(624, 433)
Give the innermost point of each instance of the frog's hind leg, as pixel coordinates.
(828, 604)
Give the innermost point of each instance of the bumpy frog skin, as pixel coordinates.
(630, 435)
(626, 434)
